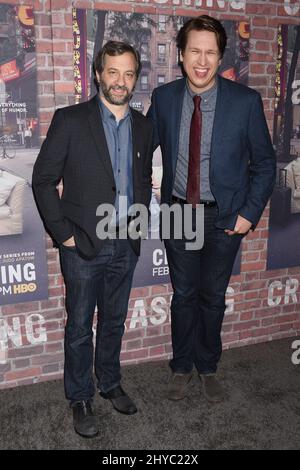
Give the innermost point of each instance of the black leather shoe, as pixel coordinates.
(120, 400)
(84, 420)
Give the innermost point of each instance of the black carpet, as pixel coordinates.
(262, 410)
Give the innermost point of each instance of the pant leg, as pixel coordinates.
(82, 279)
(184, 269)
(113, 308)
(216, 260)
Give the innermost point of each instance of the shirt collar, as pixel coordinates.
(206, 95)
(107, 115)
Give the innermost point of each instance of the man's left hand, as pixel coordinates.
(242, 226)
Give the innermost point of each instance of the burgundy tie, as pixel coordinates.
(193, 180)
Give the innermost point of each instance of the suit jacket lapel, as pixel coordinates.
(222, 107)
(137, 149)
(175, 115)
(98, 133)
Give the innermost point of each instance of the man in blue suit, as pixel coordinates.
(216, 151)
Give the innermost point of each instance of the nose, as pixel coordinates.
(121, 80)
(202, 59)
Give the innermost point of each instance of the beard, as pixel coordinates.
(114, 99)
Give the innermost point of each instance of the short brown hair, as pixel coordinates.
(202, 23)
(114, 48)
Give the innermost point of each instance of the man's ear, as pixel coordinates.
(180, 56)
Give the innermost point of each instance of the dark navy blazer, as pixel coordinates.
(76, 151)
(242, 166)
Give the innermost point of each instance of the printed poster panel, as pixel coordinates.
(284, 234)
(23, 266)
(154, 37)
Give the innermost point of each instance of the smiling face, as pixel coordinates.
(118, 78)
(201, 59)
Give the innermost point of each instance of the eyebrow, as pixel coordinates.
(197, 49)
(113, 69)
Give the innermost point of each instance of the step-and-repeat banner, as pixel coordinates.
(154, 37)
(23, 266)
(284, 234)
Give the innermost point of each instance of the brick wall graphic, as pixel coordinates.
(284, 240)
(23, 267)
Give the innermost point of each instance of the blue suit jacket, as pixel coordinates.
(242, 165)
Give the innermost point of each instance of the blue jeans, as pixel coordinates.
(200, 279)
(104, 281)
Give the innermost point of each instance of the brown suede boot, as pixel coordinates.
(212, 389)
(178, 386)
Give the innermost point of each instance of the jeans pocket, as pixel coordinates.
(69, 248)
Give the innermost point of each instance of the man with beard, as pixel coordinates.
(102, 150)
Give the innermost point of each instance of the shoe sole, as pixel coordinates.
(210, 399)
(176, 399)
(213, 401)
(86, 435)
(124, 412)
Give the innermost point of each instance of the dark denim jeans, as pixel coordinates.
(104, 281)
(200, 279)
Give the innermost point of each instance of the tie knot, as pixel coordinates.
(197, 101)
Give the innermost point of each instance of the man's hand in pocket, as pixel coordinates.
(242, 226)
(69, 242)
